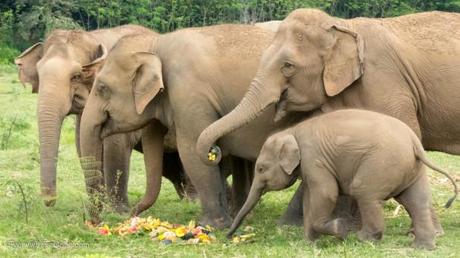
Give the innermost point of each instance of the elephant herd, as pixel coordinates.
(202, 103)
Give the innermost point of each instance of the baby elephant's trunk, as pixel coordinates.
(253, 198)
(420, 154)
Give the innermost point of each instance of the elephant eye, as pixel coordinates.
(260, 169)
(103, 90)
(287, 65)
(288, 69)
(76, 77)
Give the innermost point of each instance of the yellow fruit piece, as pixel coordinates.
(155, 223)
(180, 231)
(166, 224)
(191, 225)
(204, 238)
(212, 156)
(247, 236)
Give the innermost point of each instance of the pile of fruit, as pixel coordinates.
(162, 231)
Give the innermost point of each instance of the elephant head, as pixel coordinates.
(313, 57)
(276, 169)
(55, 69)
(126, 95)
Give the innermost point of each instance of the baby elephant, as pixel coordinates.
(369, 156)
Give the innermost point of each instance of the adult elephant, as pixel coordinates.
(406, 67)
(186, 79)
(58, 69)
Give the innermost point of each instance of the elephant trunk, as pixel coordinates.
(91, 146)
(153, 148)
(251, 201)
(255, 101)
(52, 109)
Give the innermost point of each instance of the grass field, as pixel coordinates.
(60, 231)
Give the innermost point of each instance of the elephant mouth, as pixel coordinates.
(77, 108)
(293, 180)
(106, 130)
(78, 104)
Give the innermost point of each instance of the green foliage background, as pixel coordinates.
(24, 22)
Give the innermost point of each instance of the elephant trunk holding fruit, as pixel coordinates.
(318, 63)
(341, 153)
(142, 82)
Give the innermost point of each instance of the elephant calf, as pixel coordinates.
(369, 156)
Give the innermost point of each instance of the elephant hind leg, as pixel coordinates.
(417, 201)
(174, 172)
(372, 219)
(241, 183)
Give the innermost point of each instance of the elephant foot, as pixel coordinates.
(49, 203)
(310, 236)
(364, 235)
(118, 204)
(218, 223)
(121, 208)
(424, 244)
(49, 199)
(340, 227)
(438, 232)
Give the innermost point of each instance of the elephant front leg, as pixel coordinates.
(116, 159)
(323, 193)
(208, 183)
(346, 208)
(294, 214)
(173, 170)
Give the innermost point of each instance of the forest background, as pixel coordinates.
(24, 22)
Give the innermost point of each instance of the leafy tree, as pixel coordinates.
(23, 22)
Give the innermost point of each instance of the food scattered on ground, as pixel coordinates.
(158, 230)
(246, 236)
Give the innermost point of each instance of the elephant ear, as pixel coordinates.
(90, 70)
(148, 79)
(289, 154)
(344, 65)
(27, 62)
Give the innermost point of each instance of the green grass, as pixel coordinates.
(19, 163)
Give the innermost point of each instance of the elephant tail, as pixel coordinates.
(420, 154)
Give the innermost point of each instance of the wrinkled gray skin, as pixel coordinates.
(187, 80)
(60, 70)
(369, 156)
(406, 67)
